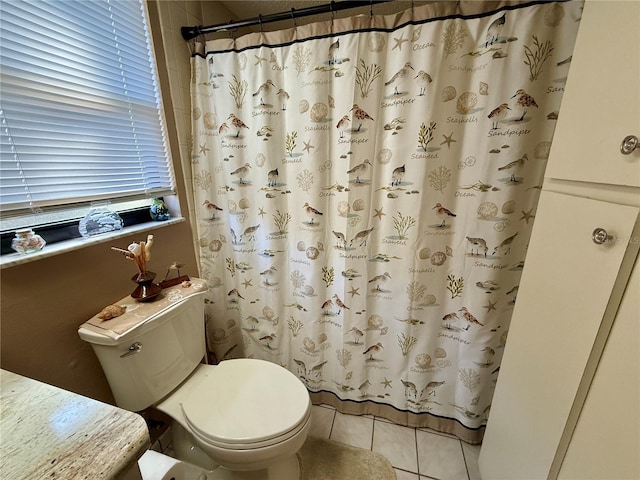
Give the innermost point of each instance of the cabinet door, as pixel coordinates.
(606, 440)
(564, 292)
(601, 103)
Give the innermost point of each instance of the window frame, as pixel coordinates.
(135, 219)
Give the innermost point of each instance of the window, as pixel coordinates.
(80, 111)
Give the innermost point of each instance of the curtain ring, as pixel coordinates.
(371, 21)
(333, 14)
(232, 34)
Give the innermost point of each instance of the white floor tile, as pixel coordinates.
(471, 453)
(402, 475)
(440, 457)
(321, 421)
(353, 430)
(397, 444)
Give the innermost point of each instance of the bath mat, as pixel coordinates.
(323, 459)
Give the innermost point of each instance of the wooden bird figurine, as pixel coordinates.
(175, 266)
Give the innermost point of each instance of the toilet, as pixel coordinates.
(244, 418)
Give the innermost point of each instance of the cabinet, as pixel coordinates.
(606, 440)
(601, 103)
(570, 363)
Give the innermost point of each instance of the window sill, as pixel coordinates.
(14, 259)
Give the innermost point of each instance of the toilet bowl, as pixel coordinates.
(246, 417)
(156, 466)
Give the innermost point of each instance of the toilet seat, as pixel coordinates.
(268, 406)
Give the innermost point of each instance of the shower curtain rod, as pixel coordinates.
(189, 33)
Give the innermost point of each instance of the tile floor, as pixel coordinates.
(415, 453)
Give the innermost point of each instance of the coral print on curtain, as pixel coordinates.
(365, 190)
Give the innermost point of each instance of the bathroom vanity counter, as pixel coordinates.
(47, 432)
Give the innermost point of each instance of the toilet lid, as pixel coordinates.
(246, 401)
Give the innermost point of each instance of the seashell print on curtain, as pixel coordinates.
(365, 191)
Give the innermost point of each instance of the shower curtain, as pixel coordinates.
(365, 189)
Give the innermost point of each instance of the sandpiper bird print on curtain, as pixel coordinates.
(365, 196)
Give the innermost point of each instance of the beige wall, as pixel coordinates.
(42, 303)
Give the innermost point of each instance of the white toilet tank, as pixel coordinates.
(149, 361)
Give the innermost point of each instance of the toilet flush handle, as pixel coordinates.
(133, 348)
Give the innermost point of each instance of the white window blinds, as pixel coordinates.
(79, 105)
